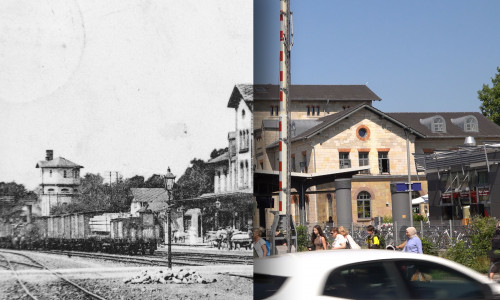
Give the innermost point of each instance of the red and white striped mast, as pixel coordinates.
(284, 116)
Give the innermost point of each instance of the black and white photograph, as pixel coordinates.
(126, 149)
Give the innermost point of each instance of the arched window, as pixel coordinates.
(246, 174)
(438, 125)
(65, 173)
(50, 173)
(470, 124)
(247, 140)
(50, 190)
(65, 190)
(364, 205)
(243, 113)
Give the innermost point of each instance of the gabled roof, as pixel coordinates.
(241, 92)
(486, 128)
(149, 195)
(59, 162)
(317, 92)
(330, 120)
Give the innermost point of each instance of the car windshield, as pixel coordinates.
(265, 286)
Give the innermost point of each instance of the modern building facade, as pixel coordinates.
(463, 182)
(60, 182)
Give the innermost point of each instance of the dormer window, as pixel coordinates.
(467, 123)
(470, 124)
(438, 125)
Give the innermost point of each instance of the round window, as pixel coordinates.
(362, 132)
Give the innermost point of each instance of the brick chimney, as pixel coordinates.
(49, 155)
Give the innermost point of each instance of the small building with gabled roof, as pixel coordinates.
(154, 199)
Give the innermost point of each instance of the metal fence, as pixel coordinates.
(442, 234)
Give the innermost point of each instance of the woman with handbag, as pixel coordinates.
(350, 243)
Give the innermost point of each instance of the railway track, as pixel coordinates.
(71, 289)
(178, 258)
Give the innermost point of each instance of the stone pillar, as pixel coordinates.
(344, 204)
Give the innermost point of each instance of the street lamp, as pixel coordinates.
(169, 185)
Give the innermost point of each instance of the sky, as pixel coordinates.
(417, 56)
(128, 86)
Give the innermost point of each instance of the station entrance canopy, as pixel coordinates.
(266, 184)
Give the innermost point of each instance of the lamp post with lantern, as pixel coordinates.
(169, 185)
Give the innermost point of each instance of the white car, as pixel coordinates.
(367, 274)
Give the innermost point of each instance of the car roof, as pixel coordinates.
(290, 264)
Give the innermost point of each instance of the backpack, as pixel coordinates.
(268, 246)
(381, 241)
(347, 244)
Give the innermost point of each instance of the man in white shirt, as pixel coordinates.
(340, 241)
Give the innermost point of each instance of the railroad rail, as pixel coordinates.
(39, 265)
(179, 258)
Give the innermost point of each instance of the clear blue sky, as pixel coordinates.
(416, 55)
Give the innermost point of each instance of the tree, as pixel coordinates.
(135, 182)
(18, 191)
(155, 181)
(218, 152)
(490, 98)
(196, 180)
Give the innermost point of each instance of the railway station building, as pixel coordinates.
(230, 204)
(337, 133)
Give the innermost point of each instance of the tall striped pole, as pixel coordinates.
(284, 117)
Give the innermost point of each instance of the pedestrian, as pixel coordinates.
(350, 243)
(259, 244)
(494, 254)
(372, 240)
(413, 243)
(229, 231)
(318, 239)
(340, 241)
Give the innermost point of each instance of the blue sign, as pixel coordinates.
(403, 187)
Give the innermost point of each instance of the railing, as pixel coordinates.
(443, 234)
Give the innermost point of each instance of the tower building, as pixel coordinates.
(60, 181)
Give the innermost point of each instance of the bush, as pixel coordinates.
(302, 238)
(475, 254)
(387, 219)
(428, 247)
(419, 217)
